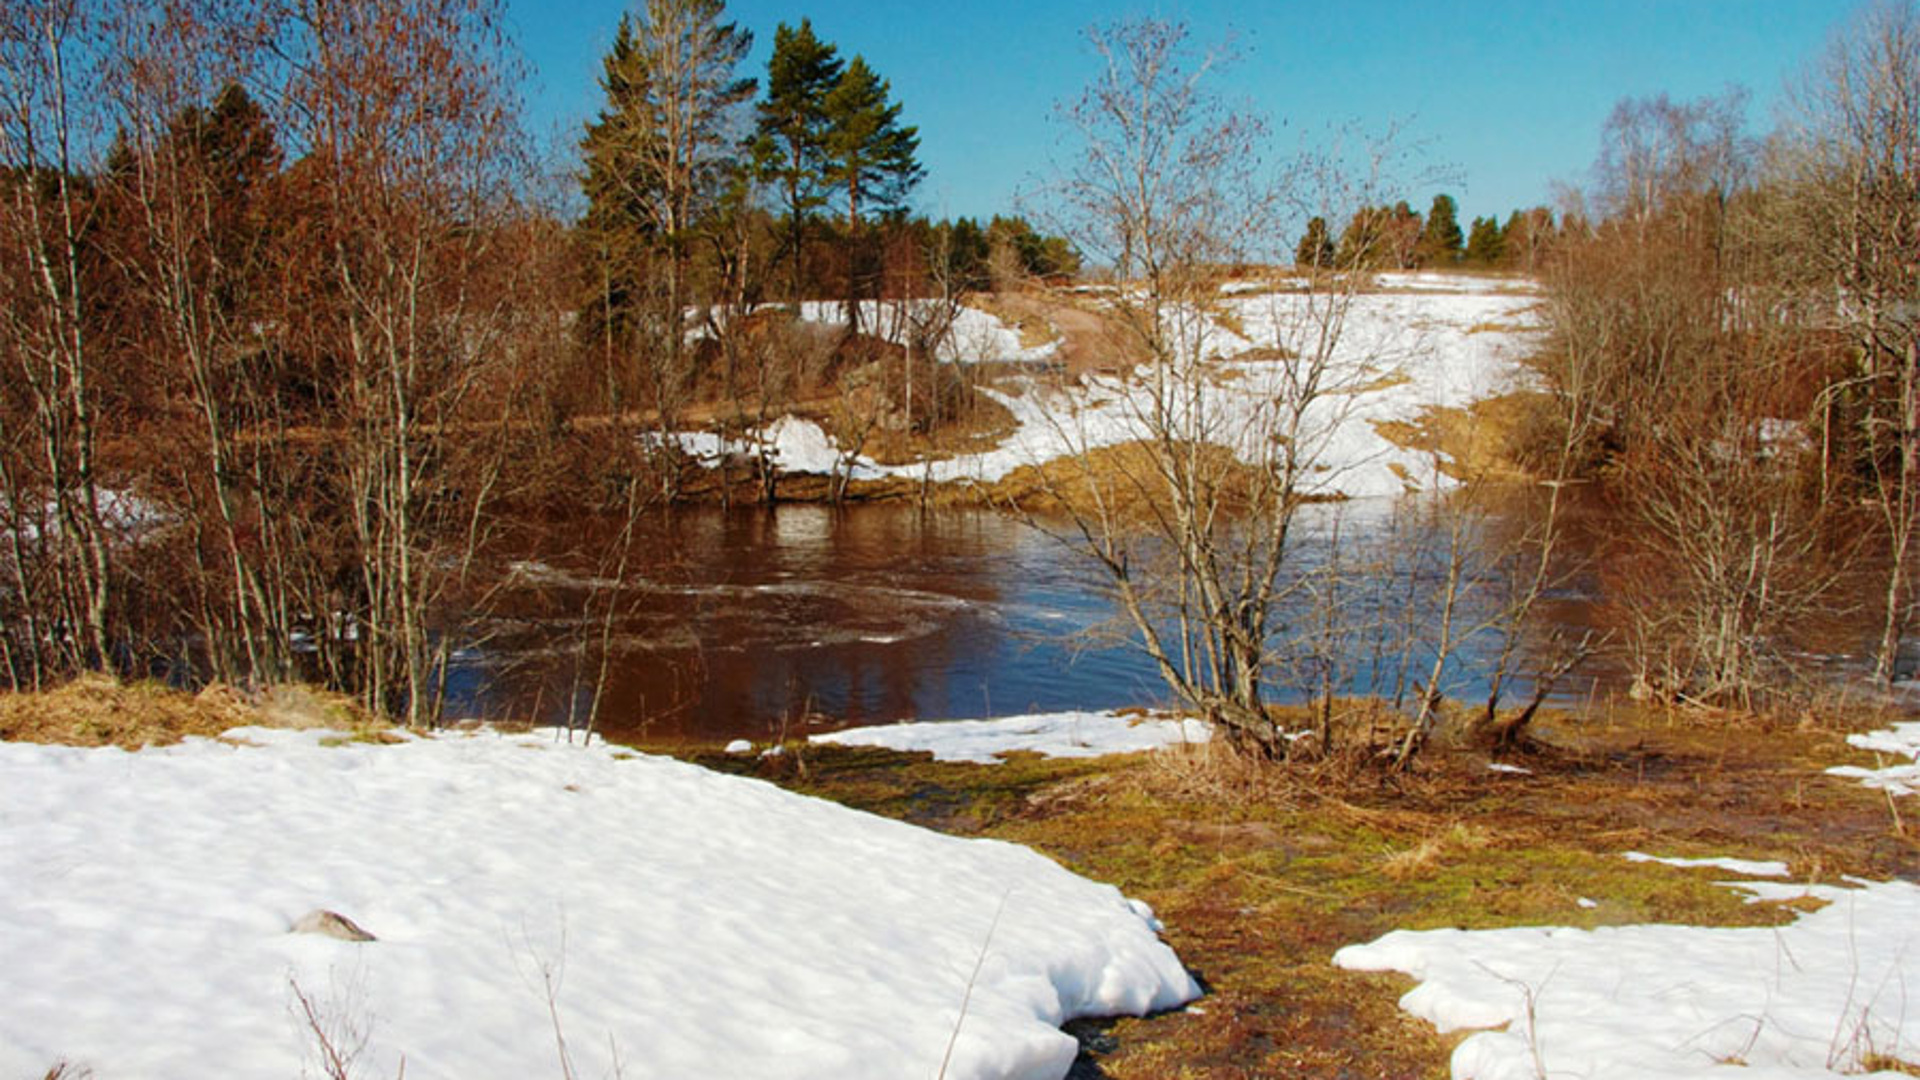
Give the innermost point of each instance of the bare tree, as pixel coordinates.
(1191, 523)
(1852, 168)
(49, 130)
(402, 111)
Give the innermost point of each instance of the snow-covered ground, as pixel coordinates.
(1067, 735)
(1430, 340)
(1836, 992)
(676, 922)
(1821, 996)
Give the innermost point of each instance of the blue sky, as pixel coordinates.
(1506, 95)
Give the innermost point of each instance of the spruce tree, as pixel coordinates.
(1440, 241)
(1316, 247)
(789, 147)
(659, 155)
(1484, 241)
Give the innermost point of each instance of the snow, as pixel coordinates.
(1900, 741)
(976, 336)
(686, 923)
(1824, 995)
(1061, 735)
(1435, 340)
(1811, 999)
(1749, 867)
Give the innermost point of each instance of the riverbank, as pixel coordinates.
(1258, 877)
(1262, 877)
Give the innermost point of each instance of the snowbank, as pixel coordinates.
(1067, 735)
(1824, 995)
(1900, 741)
(687, 924)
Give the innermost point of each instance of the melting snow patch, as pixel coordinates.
(1901, 740)
(684, 923)
(1067, 734)
(1748, 867)
(1826, 994)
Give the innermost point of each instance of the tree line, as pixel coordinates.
(286, 328)
(1396, 237)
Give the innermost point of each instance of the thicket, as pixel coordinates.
(1735, 357)
(283, 329)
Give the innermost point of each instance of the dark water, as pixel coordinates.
(737, 624)
(733, 623)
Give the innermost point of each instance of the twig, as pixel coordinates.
(966, 998)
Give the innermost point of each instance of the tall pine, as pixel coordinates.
(870, 161)
(659, 156)
(1440, 240)
(790, 139)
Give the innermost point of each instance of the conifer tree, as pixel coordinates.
(1316, 247)
(789, 147)
(1440, 241)
(659, 155)
(1485, 241)
(869, 160)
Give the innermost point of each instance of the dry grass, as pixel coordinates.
(1477, 441)
(97, 711)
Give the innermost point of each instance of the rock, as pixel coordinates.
(332, 924)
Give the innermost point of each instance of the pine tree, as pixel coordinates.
(659, 155)
(869, 156)
(1485, 241)
(869, 160)
(789, 147)
(1440, 241)
(1316, 247)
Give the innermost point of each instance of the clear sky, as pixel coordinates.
(1507, 95)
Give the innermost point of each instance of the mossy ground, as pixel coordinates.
(1261, 874)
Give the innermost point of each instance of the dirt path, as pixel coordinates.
(1089, 341)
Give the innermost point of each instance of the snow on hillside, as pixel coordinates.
(976, 336)
(1902, 741)
(1431, 340)
(680, 923)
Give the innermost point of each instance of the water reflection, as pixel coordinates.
(737, 623)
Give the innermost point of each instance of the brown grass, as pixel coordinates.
(97, 711)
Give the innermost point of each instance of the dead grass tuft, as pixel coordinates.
(94, 710)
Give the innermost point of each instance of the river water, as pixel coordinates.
(756, 623)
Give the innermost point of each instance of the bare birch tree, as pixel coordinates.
(1191, 523)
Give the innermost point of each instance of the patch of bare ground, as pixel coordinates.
(1477, 441)
(1091, 339)
(1260, 873)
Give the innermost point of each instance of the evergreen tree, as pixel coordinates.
(869, 156)
(790, 141)
(659, 156)
(869, 160)
(1316, 247)
(1484, 241)
(1440, 241)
